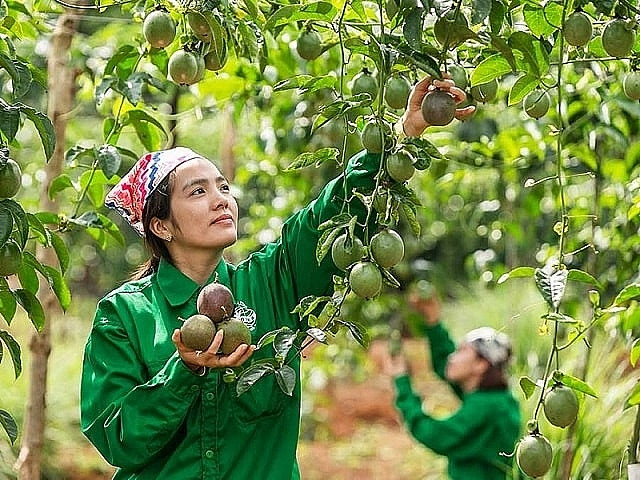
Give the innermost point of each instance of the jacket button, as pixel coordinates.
(209, 396)
(209, 453)
(195, 388)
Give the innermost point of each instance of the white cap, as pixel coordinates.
(493, 346)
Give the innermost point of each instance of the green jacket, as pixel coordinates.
(486, 425)
(151, 416)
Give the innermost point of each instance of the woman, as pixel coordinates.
(476, 438)
(153, 407)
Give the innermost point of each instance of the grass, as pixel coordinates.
(602, 431)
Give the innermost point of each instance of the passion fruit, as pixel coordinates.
(485, 92)
(536, 103)
(387, 248)
(346, 254)
(10, 258)
(577, 29)
(10, 179)
(631, 85)
(561, 406)
(396, 92)
(235, 334)
(183, 67)
(364, 82)
(438, 108)
(215, 301)
(618, 38)
(159, 29)
(197, 332)
(365, 279)
(534, 455)
(309, 45)
(374, 136)
(400, 166)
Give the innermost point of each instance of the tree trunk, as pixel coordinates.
(61, 89)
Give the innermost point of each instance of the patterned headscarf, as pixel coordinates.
(493, 346)
(130, 195)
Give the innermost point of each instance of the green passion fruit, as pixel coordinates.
(10, 259)
(399, 166)
(577, 29)
(618, 38)
(10, 179)
(235, 334)
(396, 92)
(485, 92)
(374, 136)
(183, 67)
(536, 103)
(364, 82)
(197, 332)
(344, 254)
(630, 85)
(534, 455)
(159, 29)
(387, 248)
(309, 45)
(561, 406)
(365, 279)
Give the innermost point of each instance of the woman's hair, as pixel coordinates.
(494, 378)
(157, 205)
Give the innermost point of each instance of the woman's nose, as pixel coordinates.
(219, 200)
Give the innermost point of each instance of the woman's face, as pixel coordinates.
(464, 364)
(204, 214)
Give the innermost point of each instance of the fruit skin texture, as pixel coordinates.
(534, 455)
(309, 45)
(447, 29)
(577, 29)
(200, 26)
(397, 91)
(400, 166)
(10, 179)
(536, 104)
(159, 29)
(343, 257)
(365, 280)
(10, 259)
(631, 85)
(387, 248)
(561, 406)
(197, 332)
(485, 92)
(183, 67)
(618, 38)
(235, 334)
(438, 108)
(215, 301)
(373, 137)
(364, 82)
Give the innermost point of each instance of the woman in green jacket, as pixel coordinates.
(479, 437)
(159, 410)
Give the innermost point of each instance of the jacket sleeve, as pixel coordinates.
(447, 436)
(128, 416)
(296, 251)
(440, 347)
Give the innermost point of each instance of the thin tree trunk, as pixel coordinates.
(61, 88)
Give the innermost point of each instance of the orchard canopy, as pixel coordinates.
(540, 185)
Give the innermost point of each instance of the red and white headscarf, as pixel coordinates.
(130, 195)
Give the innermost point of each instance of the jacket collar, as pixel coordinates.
(178, 288)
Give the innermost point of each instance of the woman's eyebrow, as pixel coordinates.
(203, 181)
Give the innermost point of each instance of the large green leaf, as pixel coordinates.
(8, 305)
(251, 375)
(551, 282)
(150, 131)
(321, 11)
(286, 379)
(9, 120)
(32, 306)
(9, 425)
(521, 87)
(628, 293)
(43, 126)
(316, 158)
(490, 68)
(14, 351)
(6, 225)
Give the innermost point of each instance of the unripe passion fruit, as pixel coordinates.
(534, 455)
(216, 58)
(485, 92)
(309, 45)
(450, 30)
(197, 332)
(536, 104)
(396, 92)
(387, 248)
(630, 85)
(438, 108)
(618, 38)
(577, 29)
(235, 334)
(343, 254)
(459, 76)
(183, 67)
(365, 280)
(10, 259)
(374, 136)
(215, 301)
(10, 179)
(364, 82)
(561, 406)
(400, 166)
(159, 29)
(200, 26)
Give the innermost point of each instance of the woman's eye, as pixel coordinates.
(225, 187)
(198, 191)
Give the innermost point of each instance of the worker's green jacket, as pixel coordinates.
(478, 436)
(151, 416)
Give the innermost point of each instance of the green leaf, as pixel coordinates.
(480, 11)
(61, 250)
(575, 383)
(630, 292)
(14, 351)
(368, 49)
(635, 352)
(6, 225)
(8, 305)
(59, 286)
(109, 160)
(317, 334)
(150, 132)
(9, 425)
(106, 84)
(551, 282)
(310, 158)
(527, 386)
(286, 378)
(20, 222)
(325, 242)
(412, 29)
(534, 53)
(132, 87)
(521, 87)
(633, 398)
(359, 332)
(58, 184)
(283, 341)
(43, 234)
(251, 375)
(490, 68)
(43, 126)
(323, 11)
(9, 120)
(267, 338)
(308, 304)
(518, 272)
(584, 277)
(538, 18)
(32, 306)
(122, 62)
(27, 274)
(249, 39)
(424, 151)
(410, 213)
(19, 73)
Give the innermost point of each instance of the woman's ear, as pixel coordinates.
(160, 229)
